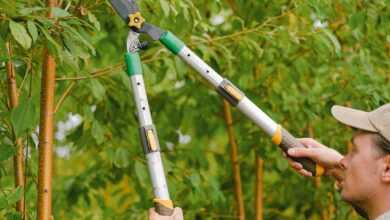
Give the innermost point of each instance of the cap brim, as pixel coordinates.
(353, 118)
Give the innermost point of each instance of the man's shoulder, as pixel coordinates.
(385, 216)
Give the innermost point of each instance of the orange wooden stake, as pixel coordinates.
(234, 159)
(46, 126)
(259, 188)
(14, 102)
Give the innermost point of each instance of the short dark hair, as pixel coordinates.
(381, 143)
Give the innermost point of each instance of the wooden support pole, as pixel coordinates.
(232, 4)
(234, 160)
(14, 102)
(46, 126)
(259, 205)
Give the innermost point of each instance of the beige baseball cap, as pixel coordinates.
(377, 121)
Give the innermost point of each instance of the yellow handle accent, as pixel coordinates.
(165, 203)
(319, 170)
(136, 20)
(277, 137)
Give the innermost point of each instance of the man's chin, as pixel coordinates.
(344, 195)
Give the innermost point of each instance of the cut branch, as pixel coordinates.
(13, 102)
(46, 132)
(234, 160)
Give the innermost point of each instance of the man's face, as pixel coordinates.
(362, 175)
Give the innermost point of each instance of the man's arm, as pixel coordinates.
(323, 155)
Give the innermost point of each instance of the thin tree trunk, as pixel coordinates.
(259, 210)
(232, 5)
(46, 133)
(353, 214)
(14, 101)
(234, 159)
(350, 148)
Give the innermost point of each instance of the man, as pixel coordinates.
(364, 173)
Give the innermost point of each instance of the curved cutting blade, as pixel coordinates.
(124, 8)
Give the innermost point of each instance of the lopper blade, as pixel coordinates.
(124, 8)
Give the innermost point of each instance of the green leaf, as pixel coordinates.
(59, 12)
(78, 37)
(20, 34)
(141, 172)
(357, 19)
(70, 62)
(122, 158)
(3, 201)
(54, 47)
(33, 30)
(14, 216)
(92, 18)
(15, 196)
(165, 7)
(27, 11)
(74, 47)
(281, 164)
(334, 40)
(97, 132)
(22, 117)
(6, 152)
(2, 47)
(195, 181)
(98, 90)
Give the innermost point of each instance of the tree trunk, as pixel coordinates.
(13, 102)
(46, 133)
(232, 5)
(234, 159)
(259, 188)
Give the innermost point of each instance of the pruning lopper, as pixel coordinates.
(129, 11)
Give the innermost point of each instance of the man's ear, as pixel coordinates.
(386, 170)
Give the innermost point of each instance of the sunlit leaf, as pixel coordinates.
(20, 34)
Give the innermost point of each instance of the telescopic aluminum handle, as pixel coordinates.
(237, 98)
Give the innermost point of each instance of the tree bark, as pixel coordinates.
(14, 102)
(259, 210)
(46, 133)
(232, 5)
(235, 163)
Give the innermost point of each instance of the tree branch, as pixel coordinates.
(14, 102)
(64, 95)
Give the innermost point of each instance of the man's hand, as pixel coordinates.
(325, 156)
(177, 215)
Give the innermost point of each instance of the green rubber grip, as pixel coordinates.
(171, 42)
(289, 141)
(133, 63)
